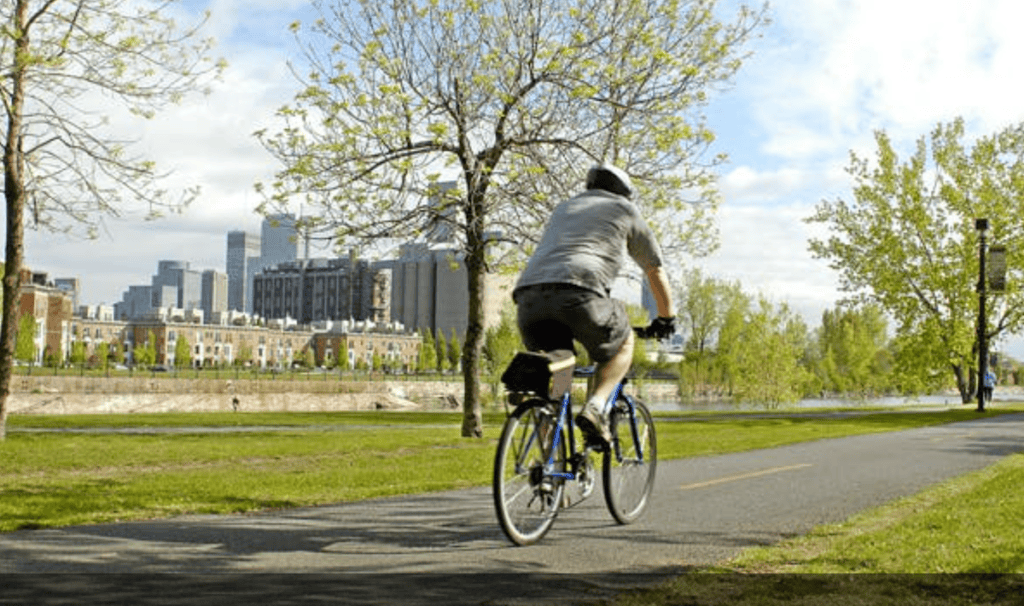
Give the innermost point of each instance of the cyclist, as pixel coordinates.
(565, 291)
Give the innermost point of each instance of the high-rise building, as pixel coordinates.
(242, 247)
(431, 290)
(441, 228)
(279, 240)
(186, 282)
(214, 293)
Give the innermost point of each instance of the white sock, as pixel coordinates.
(595, 405)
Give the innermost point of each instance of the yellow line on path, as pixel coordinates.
(745, 476)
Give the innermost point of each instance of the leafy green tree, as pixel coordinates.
(907, 241)
(77, 357)
(66, 66)
(428, 352)
(244, 355)
(441, 353)
(101, 354)
(343, 361)
(852, 351)
(768, 366)
(26, 344)
(501, 342)
(518, 98)
(182, 353)
(729, 347)
(144, 355)
(702, 303)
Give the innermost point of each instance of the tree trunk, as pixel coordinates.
(14, 197)
(965, 384)
(472, 421)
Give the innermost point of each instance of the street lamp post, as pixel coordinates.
(982, 226)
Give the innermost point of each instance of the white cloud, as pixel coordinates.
(829, 72)
(764, 248)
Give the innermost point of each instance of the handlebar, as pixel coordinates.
(644, 332)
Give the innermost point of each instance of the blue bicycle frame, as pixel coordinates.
(565, 419)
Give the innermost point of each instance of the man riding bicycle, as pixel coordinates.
(565, 291)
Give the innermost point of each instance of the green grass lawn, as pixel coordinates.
(956, 543)
(50, 479)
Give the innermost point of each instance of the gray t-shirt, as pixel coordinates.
(586, 241)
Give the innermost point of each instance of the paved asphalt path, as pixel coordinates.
(446, 548)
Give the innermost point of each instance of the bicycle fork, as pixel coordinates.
(549, 468)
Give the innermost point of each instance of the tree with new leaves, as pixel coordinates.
(77, 357)
(101, 355)
(501, 342)
(702, 303)
(25, 347)
(852, 351)
(182, 352)
(515, 100)
(428, 352)
(767, 365)
(906, 240)
(144, 355)
(66, 65)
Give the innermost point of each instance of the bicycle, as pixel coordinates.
(537, 454)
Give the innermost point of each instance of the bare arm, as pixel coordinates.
(662, 291)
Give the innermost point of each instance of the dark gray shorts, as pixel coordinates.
(551, 316)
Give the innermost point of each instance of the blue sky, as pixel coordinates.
(824, 75)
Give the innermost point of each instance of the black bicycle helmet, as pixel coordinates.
(610, 178)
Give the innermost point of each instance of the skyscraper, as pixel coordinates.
(242, 247)
(279, 241)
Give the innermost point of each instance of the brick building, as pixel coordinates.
(52, 309)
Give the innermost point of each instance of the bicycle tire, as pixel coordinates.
(526, 497)
(628, 477)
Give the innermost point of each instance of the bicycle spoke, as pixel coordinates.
(526, 498)
(630, 464)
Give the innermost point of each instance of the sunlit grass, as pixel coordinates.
(58, 478)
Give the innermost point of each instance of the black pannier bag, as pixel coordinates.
(546, 374)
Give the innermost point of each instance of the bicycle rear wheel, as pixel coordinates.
(526, 494)
(630, 462)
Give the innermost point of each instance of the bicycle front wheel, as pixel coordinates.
(526, 494)
(631, 460)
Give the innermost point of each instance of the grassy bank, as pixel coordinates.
(189, 463)
(955, 544)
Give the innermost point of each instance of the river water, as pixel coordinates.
(933, 401)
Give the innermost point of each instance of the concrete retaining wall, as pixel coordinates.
(98, 395)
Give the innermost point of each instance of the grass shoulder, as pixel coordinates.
(58, 471)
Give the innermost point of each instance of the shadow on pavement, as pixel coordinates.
(299, 589)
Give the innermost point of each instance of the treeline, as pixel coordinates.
(747, 348)
(742, 347)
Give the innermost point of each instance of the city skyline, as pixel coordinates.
(822, 78)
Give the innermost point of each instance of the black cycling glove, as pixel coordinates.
(662, 328)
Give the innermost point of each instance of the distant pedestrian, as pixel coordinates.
(989, 385)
